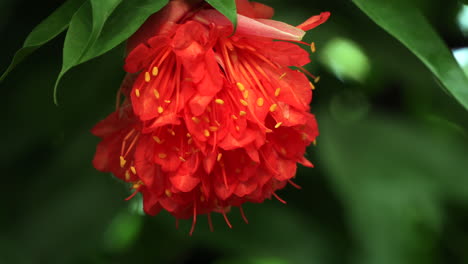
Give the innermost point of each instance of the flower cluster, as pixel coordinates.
(210, 119)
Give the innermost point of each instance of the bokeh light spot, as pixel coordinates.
(345, 59)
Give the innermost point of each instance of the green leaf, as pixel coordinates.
(47, 30)
(113, 22)
(122, 24)
(393, 175)
(82, 33)
(406, 23)
(227, 8)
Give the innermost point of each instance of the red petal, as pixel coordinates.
(314, 21)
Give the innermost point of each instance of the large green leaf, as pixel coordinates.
(406, 23)
(393, 178)
(47, 30)
(227, 8)
(85, 28)
(113, 21)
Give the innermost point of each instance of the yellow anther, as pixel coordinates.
(219, 101)
(172, 132)
(234, 117)
(147, 77)
(136, 185)
(278, 124)
(206, 133)
(312, 86)
(168, 193)
(317, 79)
(277, 91)
(127, 175)
(260, 101)
(240, 86)
(237, 128)
(190, 141)
(162, 155)
(122, 162)
(312, 46)
(137, 92)
(206, 119)
(132, 168)
(155, 71)
(245, 94)
(273, 107)
(213, 128)
(196, 119)
(182, 159)
(167, 101)
(314, 142)
(304, 136)
(160, 109)
(283, 151)
(189, 135)
(243, 102)
(282, 76)
(158, 140)
(156, 93)
(220, 155)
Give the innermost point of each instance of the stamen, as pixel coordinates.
(277, 91)
(234, 117)
(194, 221)
(237, 128)
(226, 219)
(167, 101)
(312, 86)
(122, 162)
(314, 142)
(245, 94)
(196, 119)
(243, 215)
(132, 168)
(206, 133)
(219, 101)
(210, 223)
(182, 159)
(168, 193)
(317, 79)
(147, 77)
(242, 113)
(160, 109)
(155, 71)
(156, 93)
(127, 175)
(279, 199)
(188, 135)
(273, 107)
(278, 124)
(240, 86)
(260, 101)
(158, 140)
(243, 102)
(282, 76)
(170, 131)
(294, 185)
(162, 155)
(312, 47)
(220, 155)
(213, 128)
(137, 92)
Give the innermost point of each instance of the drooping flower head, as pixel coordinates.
(211, 119)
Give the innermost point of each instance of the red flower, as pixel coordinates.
(214, 120)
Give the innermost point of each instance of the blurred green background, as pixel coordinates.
(390, 183)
